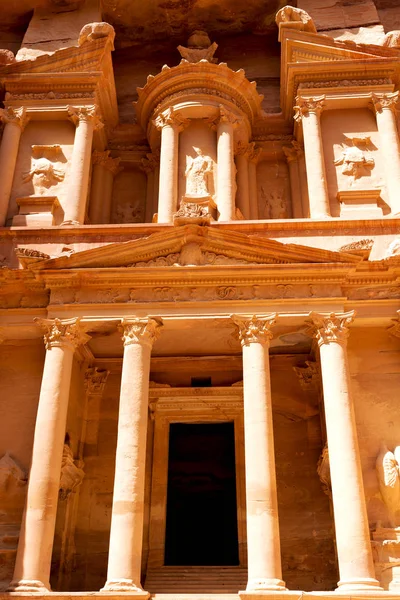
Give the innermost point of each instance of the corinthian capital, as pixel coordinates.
(16, 116)
(254, 152)
(327, 328)
(307, 106)
(254, 329)
(149, 164)
(171, 118)
(95, 381)
(65, 332)
(85, 114)
(291, 153)
(140, 331)
(381, 101)
(106, 161)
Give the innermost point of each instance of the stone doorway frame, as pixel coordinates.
(192, 405)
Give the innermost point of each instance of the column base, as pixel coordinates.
(265, 585)
(124, 585)
(358, 585)
(29, 585)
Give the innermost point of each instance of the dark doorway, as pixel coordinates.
(201, 503)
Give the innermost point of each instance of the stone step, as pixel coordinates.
(192, 580)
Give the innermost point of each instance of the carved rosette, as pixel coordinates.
(85, 114)
(254, 329)
(328, 328)
(106, 161)
(15, 116)
(385, 101)
(172, 119)
(95, 381)
(140, 331)
(307, 106)
(60, 333)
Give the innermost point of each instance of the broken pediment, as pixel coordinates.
(191, 245)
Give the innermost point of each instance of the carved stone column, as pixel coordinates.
(384, 106)
(32, 566)
(104, 170)
(292, 156)
(15, 120)
(243, 189)
(124, 559)
(226, 166)
(356, 565)
(149, 166)
(263, 542)
(170, 124)
(86, 121)
(308, 111)
(254, 155)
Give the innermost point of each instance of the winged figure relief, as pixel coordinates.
(388, 471)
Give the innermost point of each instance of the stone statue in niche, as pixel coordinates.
(128, 213)
(197, 173)
(388, 472)
(354, 161)
(273, 204)
(43, 172)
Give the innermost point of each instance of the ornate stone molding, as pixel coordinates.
(171, 118)
(309, 376)
(140, 331)
(254, 329)
(15, 116)
(58, 333)
(85, 114)
(95, 381)
(381, 101)
(306, 106)
(106, 161)
(327, 328)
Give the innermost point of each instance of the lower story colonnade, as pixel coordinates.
(63, 337)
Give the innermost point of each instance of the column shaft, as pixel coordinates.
(225, 172)
(243, 191)
(253, 190)
(308, 111)
(168, 184)
(294, 176)
(32, 567)
(15, 120)
(124, 561)
(104, 170)
(351, 521)
(149, 197)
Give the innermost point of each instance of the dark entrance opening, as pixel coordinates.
(201, 524)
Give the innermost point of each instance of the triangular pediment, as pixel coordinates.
(191, 246)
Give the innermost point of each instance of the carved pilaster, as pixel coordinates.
(106, 161)
(15, 116)
(254, 329)
(66, 332)
(95, 381)
(85, 114)
(381, 101)
(306, 106)
(140, 331)
(327, 328)
(171, 118)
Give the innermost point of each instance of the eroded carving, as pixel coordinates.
(289, 16)
(199, 47)
(10, 472)
(72, 473)
(95, 31)
(388, 471)
(15, 116)
(306, 106)
(309, 375)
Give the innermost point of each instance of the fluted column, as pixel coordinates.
(243, 189)
(263, 542)
(254, 155)
(291, 154)
(226, 185)
(32, 566)
(308, 111)
(149, 166)
(104, 170)
(124, 559)
(170, 124)
(86, 121)
(356, 564)
(384, 106)
(15, 120)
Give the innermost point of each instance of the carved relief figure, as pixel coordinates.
(71, 473)
(274, 204)
(388, 471)
(290, 14)
(354, 162)
(43, 175)
(197, 173)
(128, 213)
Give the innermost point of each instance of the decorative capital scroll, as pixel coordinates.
(85, 114)
(151, 162)
(330, 327)
(393, 329)
(309, 376)
(225, 116)
(15, 116)
(254, 329)
(95, 381)
(306, 106)
(141, 331)
(66, 332)
(254, 152)
(381, 101)
(291, 153)
(243, 149)
(106, 161)
(171, 118)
